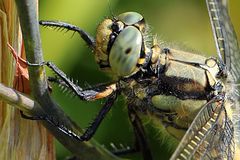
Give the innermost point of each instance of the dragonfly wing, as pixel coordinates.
(225, 36)
(210, 135)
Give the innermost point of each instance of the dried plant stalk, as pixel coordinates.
(19, 138)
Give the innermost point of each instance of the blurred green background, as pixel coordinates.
(181, 22)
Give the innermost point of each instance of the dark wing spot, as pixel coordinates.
(128, 50)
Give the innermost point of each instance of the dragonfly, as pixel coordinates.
(192, 99)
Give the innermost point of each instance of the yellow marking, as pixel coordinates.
(196, 137)
(211, 119)
(215, 18)
(193, 142)
(186, 151)
(213, 10)
(204, 129)
(102, 39)
(209, 124)
(189, 146)
(199, 132)
(182, 155)
(141, 26)
(206, 143)
(221, 49)
(109, 90)
(215, 114)
(221, 39)
(218, 28)
(141, 60)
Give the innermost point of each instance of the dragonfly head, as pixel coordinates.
(119, 44)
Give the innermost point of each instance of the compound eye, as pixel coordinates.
(125, 51)
(130, 18)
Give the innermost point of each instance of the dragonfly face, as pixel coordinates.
(119, 44)
(190, 97)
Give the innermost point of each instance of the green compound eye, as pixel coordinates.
(125, 51)
(130, 18)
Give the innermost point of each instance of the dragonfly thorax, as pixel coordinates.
(120, 46)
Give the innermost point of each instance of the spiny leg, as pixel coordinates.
(97, 92)
(101, 91)
(141, 142)
(97, 121)
(94, 92)
(62, 25)
(90, 130)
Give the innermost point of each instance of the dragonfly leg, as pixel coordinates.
(69, 27)
(97, 92)
(141, 142)
(97, 121)
(124, 151)
(90, 130)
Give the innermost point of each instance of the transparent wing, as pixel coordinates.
(225, 37)
(210, 135)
